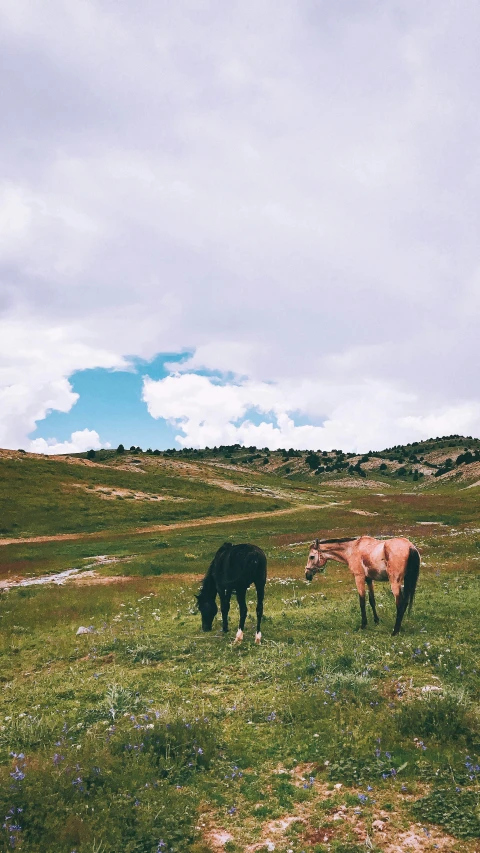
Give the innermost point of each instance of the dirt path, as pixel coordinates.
(177, 525)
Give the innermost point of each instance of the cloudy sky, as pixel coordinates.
(251, 221)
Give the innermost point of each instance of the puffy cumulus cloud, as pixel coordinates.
(34, 364)
(208, 413)
(287, 193)
(80, 440)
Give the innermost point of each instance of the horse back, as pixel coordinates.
(241, 565)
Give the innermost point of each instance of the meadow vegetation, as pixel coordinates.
(148, 736)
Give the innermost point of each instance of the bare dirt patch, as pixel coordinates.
(91, 578)
(108, 493)
(419, 840)
(351, 483)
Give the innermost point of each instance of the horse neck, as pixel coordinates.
(208, 588)
(336, 551)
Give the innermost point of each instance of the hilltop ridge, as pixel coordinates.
(448, 457)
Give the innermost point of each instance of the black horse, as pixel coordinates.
(233, 568)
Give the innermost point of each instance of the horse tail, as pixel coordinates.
(411, 577)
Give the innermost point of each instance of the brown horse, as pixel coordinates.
(369, 559)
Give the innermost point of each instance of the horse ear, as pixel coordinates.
(317, 541)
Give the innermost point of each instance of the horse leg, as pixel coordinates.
(401, 605)
(225, 596)
(260, 597)
(371, 599)
(360, 584)
(242, 603)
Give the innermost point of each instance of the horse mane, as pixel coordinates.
(344, 539)
(208, 583)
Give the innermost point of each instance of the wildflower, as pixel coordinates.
(17, 774)
(363, 798)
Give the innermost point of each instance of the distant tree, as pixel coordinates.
(156, 453)
(312, 460)
(287, 470)
(132, 447)
(120, 448)
(383, 466)
(266, 460)
(91, 454)
(465, 458)
(401, 471)
(415, 475)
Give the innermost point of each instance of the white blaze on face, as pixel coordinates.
(239, 636)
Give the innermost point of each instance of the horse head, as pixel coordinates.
(208, 610)
(315, 562)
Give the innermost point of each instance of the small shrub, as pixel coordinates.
(442, 716)
(457, 811)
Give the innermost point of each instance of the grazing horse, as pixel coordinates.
(369, 559)
(233, 568)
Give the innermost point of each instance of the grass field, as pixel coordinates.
(149, 736)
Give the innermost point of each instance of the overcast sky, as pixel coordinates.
(283, 197)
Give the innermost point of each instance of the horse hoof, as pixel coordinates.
(363, 626)
(258, 638)
(239, 637)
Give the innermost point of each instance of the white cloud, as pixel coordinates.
(34, 364)
(208, 413)
(80, 441)
(291, 195)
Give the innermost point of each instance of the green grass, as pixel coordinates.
(149, 735)
(48, 496)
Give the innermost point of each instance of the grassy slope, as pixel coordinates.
(41, 495)
(226, 720)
